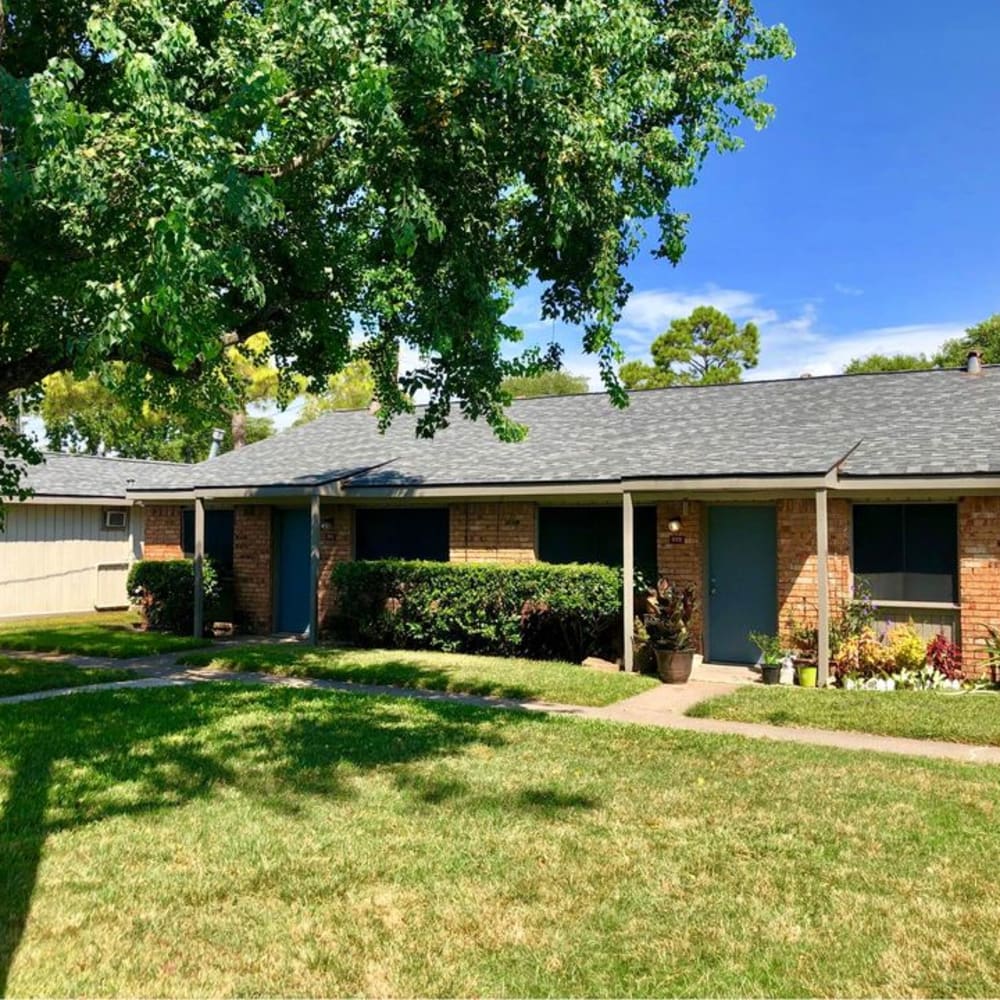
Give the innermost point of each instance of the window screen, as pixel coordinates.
(907, 552)
(594, 535)
(401, 533)
(218, 536)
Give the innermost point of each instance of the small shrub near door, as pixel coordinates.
(543, 611)
(164, 593)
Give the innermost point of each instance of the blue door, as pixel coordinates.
(291, 612)
(742, 580)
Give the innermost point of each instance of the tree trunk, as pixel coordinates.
(238, 428)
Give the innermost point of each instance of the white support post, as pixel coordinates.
(199, 568)
(822, 588)
(628, 581)
(315, 524)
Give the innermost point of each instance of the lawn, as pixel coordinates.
(107, 633)
(966, 717)
(23, 676)
(525, 680)
(225, 840)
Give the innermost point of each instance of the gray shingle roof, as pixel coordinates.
(898, 424)
(90, 476)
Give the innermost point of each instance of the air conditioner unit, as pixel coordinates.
(116, 519)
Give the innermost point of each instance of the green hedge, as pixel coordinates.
(538, 610)
(164, 593)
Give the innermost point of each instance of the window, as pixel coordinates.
(218, 537)
(116, 519)
(907, 552)
(401, 533)
(594, 535)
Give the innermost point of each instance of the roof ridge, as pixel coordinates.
(117, 458)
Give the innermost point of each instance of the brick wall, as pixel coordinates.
(492, 532)
(798, 582)
(978, 574)
(252, 567)
(681, 563)
(162, 534)
(336, 545)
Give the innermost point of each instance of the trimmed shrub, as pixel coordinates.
(538, 610)
(164, 593)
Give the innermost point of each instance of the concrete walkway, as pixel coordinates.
(662, 706)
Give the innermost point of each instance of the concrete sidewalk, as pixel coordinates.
(663, 706)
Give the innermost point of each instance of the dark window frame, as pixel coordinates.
(437, 549)
(919, 579)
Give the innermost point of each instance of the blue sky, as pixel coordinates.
(866, 216)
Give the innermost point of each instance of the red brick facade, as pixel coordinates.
(978, 574)
(681, 560)
(336, 544)
(492, 532)
(162, 538)
(798, 581)
(252, 568)
(505, 531)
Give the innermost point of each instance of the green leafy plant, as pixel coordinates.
(772, 650)
(164, 593)
(539, 610)
(669, 627)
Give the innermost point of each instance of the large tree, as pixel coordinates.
(176, 175)
(352, 388)
(705, 348)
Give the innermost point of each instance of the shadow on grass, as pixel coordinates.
(84, 759)
(114, 639)
(399, 671)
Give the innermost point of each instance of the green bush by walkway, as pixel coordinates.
(539, 610)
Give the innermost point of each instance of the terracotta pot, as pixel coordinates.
(674, 666)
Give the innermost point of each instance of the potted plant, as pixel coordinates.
(669, 631)
(772, 656)
(805, 643)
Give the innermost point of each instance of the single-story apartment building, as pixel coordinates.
(771, 498)
(69, 546)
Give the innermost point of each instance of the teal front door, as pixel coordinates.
(291, 611)
(742, 580)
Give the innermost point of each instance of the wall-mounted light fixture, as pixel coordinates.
(674, 525)
(326, 524)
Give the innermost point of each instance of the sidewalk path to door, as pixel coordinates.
(662, 706)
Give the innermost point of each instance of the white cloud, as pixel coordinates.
(847, 289)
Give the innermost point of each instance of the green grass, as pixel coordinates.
(966, 717)
(226, 840)
(24, 676)
(108, 633)
(527, 680)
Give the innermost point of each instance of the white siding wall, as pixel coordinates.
(59, 558)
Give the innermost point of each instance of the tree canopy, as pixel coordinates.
(554, 383)
(705, 348)
(352, 388)
(177, 175)
(887, 363)
(983, 337)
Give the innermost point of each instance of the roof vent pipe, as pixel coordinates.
(974, 363)
(217, 435)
